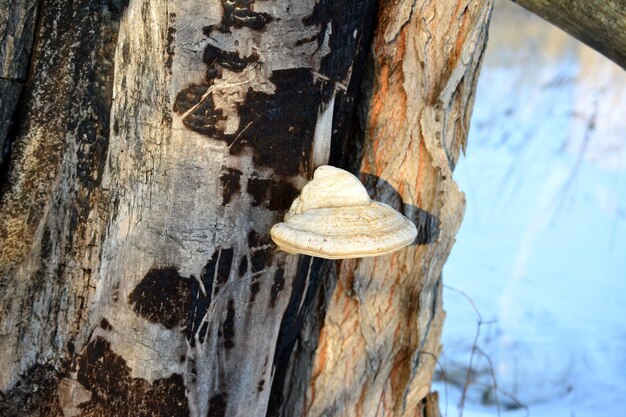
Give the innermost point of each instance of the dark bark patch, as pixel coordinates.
(228, 327)
(261, 253)
(256, 240)
(212, 73)
(105, 373)
(200, 301)
(69, 89)
(230, 181)
(204, 118)
(217, 406)
(347, 19)
(260, 385)
(116, 8)
(92, 132)
(162, 296)
(229, 60)
(277, 286)
(11, 92)
(243, 266)
(46, 244)
(238, 14)
(33, 395)
(280, 126)
(169, 47)
(19, 24)
(348, 51)
(70, 346)
(105, 325)
(260, 259)
(202, 333)
(115, 393)
(277, 127)
(189, 97)
(167, 397)
(165, 297)
(320, 15)
(275, 195)
(306, 284)
(224, 266)
(255, 287)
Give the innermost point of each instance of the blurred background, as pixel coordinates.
(541, 253)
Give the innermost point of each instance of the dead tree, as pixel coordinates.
(148, 148)
(599, 24)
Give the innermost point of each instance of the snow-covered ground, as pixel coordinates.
(542, 248)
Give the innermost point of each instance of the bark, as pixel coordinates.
(599, 24)
(158, 142)
(154, 146)
(17, 27)
(378, 344)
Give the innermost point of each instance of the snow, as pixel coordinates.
(542, 249)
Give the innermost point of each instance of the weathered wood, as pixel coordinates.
(17, 28)
(52, 220)
(600, 24)
(378, 344)
(159, 142)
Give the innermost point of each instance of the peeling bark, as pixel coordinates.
(159, 141)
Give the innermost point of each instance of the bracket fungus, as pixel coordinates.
(334, 218)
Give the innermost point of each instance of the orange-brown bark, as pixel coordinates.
(380, 337)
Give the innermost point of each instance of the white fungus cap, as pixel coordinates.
(334, 218)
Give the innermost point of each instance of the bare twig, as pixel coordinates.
(493, 378)
(477, 350)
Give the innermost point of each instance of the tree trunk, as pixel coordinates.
(376, 349)
(154, 146)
